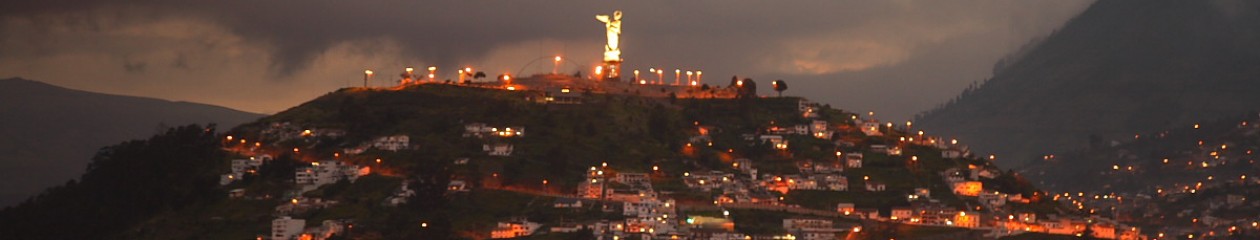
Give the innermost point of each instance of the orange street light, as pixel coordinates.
(556, 66)
(367, 74)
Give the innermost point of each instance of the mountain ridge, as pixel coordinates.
(1119, 68)
(49, 132)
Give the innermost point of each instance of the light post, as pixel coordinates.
(660, 76)
(432, 70)
(689, 74)
(677, 72)
(410, 75)
(556, 66)
(698, 75)
(367, 74)
(461, 75)
(636, 74)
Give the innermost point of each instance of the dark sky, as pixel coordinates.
(895, 57)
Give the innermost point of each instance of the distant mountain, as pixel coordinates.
(1121, 67)
(48, 134)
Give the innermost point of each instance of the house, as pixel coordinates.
(968, 188)
(871, 128)
(567, 203)
(834, 182)
(457, 186)
(498, 149)
(874, 186)
(328, 172)
(285, 228)
(564, 95)
(775, 140)
(592, 188)
(392, 143)
(993, 199)
(800, 129)
(818, 126)
(853, 160)
(236, 193)
(879, 148)
(902, 213)
(633, 179)
(894, 151)
(400, 196)
(806, 224)
(966, 220)
(845, 208)
(515, 228)
(482, 130)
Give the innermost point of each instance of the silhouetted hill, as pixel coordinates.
(48, 133)
(1120, 68)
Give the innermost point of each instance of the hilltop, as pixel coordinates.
(441, 161)
(48, 133)
(1119, 68)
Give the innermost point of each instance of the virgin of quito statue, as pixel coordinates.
(612, 52)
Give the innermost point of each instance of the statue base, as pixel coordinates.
(612, 71)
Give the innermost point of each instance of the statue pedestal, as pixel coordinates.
(612, 71)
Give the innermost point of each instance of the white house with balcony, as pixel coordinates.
(285, 228)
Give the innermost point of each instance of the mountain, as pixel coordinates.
(48, 133)
(1119, 68)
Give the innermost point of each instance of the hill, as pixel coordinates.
(48, 133)
(1173, 178)
(1119, 68)
(692, 159)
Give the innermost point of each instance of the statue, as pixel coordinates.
(612, 53)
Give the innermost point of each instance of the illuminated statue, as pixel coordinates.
(612, 52)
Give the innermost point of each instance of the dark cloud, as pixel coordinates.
(902, 56)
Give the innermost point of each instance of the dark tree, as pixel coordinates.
(779, 86)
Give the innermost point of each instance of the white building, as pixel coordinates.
(853, 160)
(871, 128)
(498, 149)
(392, 143)
(328, 172)
(285, 228)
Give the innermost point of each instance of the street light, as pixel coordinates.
(677, 72)
(432, 70)
(555, 67)
(410, 75)
(698, 75)
(689, 73)
(367, 74)
(636, 74)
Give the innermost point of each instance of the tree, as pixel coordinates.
(479, 75)
(779, 86)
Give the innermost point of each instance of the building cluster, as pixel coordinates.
(496, 139)
(327, 172)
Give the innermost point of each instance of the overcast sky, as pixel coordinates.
(894, 57)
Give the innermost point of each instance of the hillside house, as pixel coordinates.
(845, 208)
(286, 228)
(902, 213)
(874, 186)
(871, 128)
(567, 203)
(853, 160)
(392, 143)
(513, 229)
(328, 172)
(498, 149)
(633, 179)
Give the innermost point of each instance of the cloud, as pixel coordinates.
(267, 55)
